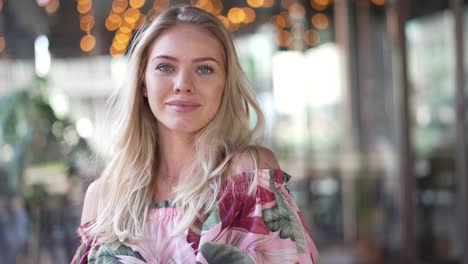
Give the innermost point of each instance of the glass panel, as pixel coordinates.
(432, 77)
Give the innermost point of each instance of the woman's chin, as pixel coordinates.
(183, 129)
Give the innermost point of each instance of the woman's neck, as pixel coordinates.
(176, 152)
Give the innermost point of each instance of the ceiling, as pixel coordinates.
(21, 21)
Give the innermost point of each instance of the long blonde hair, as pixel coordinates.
(126, 186)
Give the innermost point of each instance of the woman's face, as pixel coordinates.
(185, 78)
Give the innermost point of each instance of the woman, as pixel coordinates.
(183, 184)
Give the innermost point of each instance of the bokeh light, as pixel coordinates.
(255, 3)
(87, 23)
(87, 43)
(2, 43)
(84, 7)
(268, 3)
(112, 25)
(321, 2)
(123, 36)
(61, 106)
(115, 18)
(378, 2)
(206, 5)
(311, 37)
(131, 15)
(316, 6)
(236, 15)
(282, 20)
(283, 38)
(249, 15)
(84, 127)
(52, 6)
(279, 21)
(114, 52)
(125, 27)
(119, 45)
(119, 6)
(160, 6)
(42, 3)
(296, 11)
(137, 3)
(320, 21)
(218, 7)
(163, 4)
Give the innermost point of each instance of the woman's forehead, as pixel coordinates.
(187, 41)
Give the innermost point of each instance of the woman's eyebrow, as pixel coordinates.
(205, 59)
(164, 57)
(200, 59)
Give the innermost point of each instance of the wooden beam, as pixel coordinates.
(460, 145)
(397, 14)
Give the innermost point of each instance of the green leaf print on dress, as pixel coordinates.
(213, 219)
(215, 253)
(282, 217)
(113, 253)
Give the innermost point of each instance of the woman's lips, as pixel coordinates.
(182, 106)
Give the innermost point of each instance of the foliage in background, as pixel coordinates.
(31, 133)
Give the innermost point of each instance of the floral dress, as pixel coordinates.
(265, 227)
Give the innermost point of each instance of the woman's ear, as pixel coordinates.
(145, 92)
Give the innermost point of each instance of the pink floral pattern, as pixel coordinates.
(266, 227)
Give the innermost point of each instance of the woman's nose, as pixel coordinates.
(183, 83)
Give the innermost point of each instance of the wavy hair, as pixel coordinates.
(126, 186)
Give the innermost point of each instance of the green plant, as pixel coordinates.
(31, 133)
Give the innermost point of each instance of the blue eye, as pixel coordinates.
(205, 69)
(165, 68)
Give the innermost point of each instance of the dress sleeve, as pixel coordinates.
(265, 226)
(87, 246)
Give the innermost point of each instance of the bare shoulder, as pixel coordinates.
(266, 159)
(90, 205)
(245, 160)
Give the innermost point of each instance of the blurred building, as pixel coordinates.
(364, 102)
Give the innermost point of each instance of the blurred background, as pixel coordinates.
(364, 101)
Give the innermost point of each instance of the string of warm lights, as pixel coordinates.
(87, 22)
(291, 25)
(125, 17)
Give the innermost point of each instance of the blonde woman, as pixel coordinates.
(184, 183)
